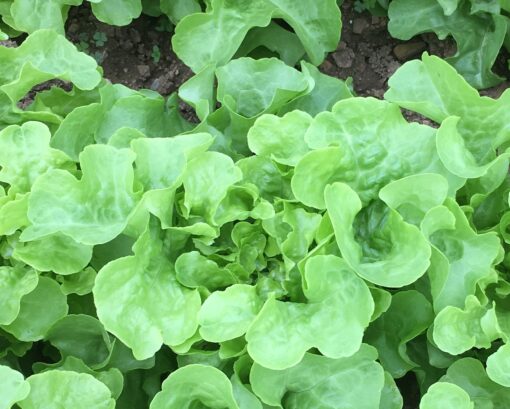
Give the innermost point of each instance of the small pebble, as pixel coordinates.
(344, 58)
(144, 70)
(405, 51)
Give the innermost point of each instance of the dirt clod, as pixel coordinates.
(344, 58)
(359, 25)
(144, 70)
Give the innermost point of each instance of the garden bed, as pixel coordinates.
(246, 204)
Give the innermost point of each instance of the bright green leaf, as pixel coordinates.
(13, 387)
(38, 311)
(65, 389)
(337, 299)
(92, 210)
(139, 300)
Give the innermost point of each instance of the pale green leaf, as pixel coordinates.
(446, 395)
(196, 383)
(15, 282)
(25, 154)
(139, 300)
(38, 311)
(92, 210)
(318, 382)
(498, 366)
(13, 387)
(337, 298)
(376, 242)
(66, 389)
(227, 314)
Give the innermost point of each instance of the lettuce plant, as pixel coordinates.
(297, 248)
(479, 29)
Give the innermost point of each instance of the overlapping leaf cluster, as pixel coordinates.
(298, 248)
(479, 28)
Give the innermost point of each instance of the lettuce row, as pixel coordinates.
(197, 42)
(297, 248)
(477, 27)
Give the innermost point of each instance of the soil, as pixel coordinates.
(138, 55)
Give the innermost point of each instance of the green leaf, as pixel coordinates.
(92, 210)
(44, 55)
(389, 148)
(321, 383)
(304, 226)
(326, 92)
(317, 27)
(240, 203)
(121, 110)
(413, 196)
(13, 387)
(194, 270)
(160, 163)
(213, 46)
(38, 311)
(65, 389)
(62, 102)
(251, 87)
(112, 377)
(198, 92)
(139, 300)
(432, 88)
(280, 138)
(206, 181)
(228, 314)
(117, 12)
(13, 214)
(382, 301)
(147, 112)
(80, 336)
(284, 331)
(29, 15)
(456, 157)
(176, 10)
(447, 396)
(273, 39)
(15, 282)
(449, 6)
(196, 383)
(80, 283)
(263, 173)
(160, 166)
(25, 154)
(408, 316)
(479, 36)
(390, 396)
(458, 330)
(463, 259)
(376, 242)
(469, 374)
(56, 253)
(498, 366)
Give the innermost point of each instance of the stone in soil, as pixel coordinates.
(359, 25)
(406, 51)
(344, 58)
